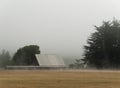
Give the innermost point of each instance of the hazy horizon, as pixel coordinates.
(57, 26)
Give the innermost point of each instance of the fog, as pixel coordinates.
(57, 26)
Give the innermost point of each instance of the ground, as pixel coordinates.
(59, 79)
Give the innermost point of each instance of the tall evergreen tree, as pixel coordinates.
(103, 46)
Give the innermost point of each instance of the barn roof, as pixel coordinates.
(46, 60)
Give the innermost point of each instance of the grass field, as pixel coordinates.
(59, 79)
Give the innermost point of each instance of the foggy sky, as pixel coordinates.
(57, 26)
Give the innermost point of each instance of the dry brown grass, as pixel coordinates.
(59, 79)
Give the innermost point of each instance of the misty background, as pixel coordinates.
(58, 26)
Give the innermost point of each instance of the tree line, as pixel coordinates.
(24, 56)
(5, 58)
(103, 46)
(102, 50)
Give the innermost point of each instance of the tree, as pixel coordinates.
(26, 55)
(5, 59)
(103, 46)
(77, 64)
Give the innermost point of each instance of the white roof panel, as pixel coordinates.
(50, 60)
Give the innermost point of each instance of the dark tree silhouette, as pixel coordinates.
(26, 55)
(103, 46)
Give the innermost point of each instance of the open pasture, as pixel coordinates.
(59, 79)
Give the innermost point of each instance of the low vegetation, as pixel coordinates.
(59, 79)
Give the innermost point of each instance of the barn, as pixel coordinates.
(49, 60)
(45, 61)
